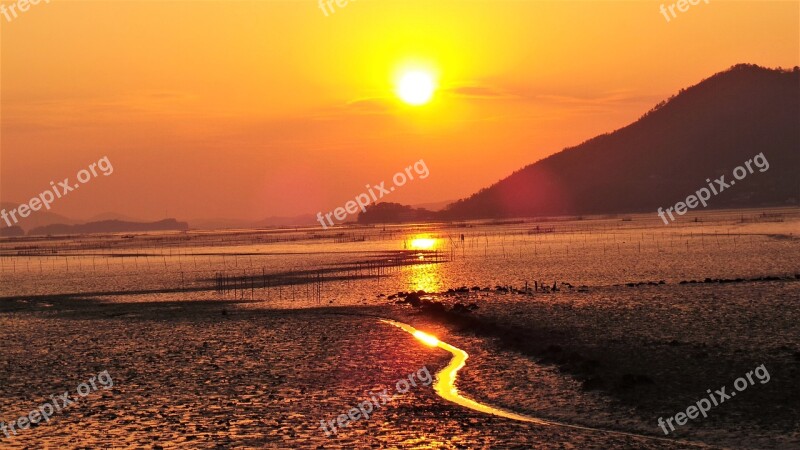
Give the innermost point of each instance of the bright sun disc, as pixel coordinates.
(426, 338)
(416, 88)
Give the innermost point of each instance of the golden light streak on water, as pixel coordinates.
(428, 339)
(445, 384)
(445, 387)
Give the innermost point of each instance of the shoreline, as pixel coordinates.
(483, 347)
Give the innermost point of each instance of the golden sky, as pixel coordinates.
(249, 109)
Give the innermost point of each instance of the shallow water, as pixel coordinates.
(581, 252)
(263, 372)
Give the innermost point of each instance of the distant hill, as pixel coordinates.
(433, 206)
(394, 213)
(36, 219)
(703, 132)
(110, 226)
(13, 231)
(112, 216)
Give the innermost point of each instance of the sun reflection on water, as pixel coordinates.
(427, 339)
(424, 277)
(423, 243)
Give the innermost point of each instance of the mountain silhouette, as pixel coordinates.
(702, 133)
(110, 226)
(388, 212)
(40, 218)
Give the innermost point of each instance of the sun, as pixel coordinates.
(416, 87)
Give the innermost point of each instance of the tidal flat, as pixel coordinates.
(249, 339)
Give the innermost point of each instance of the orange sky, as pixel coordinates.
(249, 109)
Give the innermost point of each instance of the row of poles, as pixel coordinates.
(310, 283)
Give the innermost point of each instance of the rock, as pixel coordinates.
(432, 307)
(413, 299)
(459, 308)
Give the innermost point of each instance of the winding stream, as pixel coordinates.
(445, 388)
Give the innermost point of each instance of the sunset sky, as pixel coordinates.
(250, 109)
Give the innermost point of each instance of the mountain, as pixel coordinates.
(112, 216)
(219, 223)
(36, 219)
(387, 212)
(433, 206)
(111, 226)
(704, 132)
(13, 231)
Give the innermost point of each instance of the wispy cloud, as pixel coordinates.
(478, 91)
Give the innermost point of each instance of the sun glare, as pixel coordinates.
(416, 87)
(423, 243)
(426, 338)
